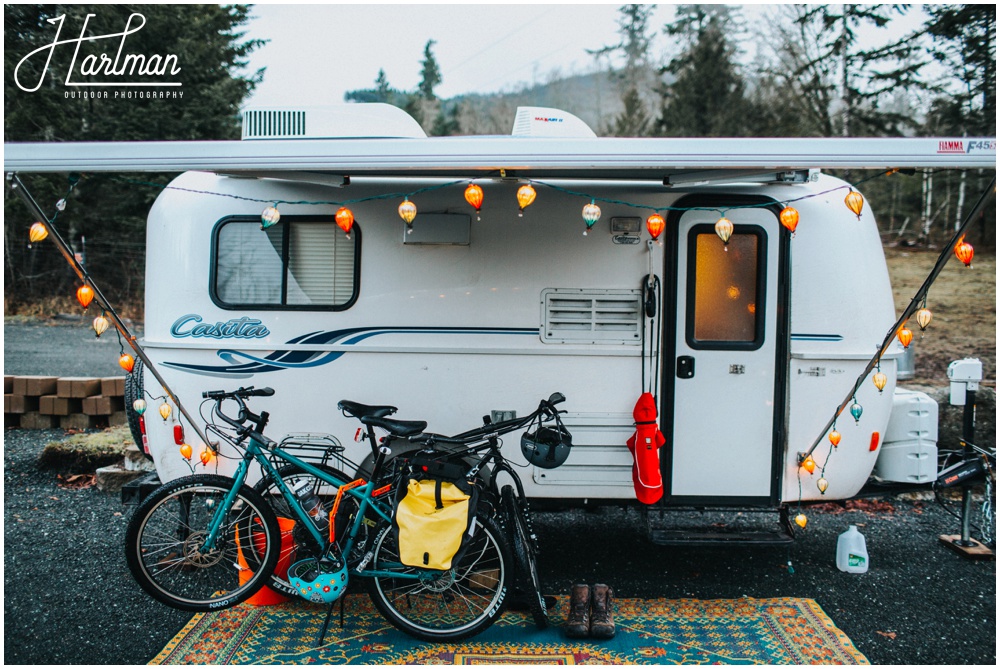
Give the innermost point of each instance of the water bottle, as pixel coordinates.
(311, 503)
(852, 554)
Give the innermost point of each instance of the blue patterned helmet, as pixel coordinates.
(320, 580)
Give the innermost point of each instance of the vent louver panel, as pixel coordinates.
(596, 316)
(260, 123)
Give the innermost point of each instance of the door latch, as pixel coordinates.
(685, 367)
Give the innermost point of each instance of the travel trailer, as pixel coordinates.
(747, 345)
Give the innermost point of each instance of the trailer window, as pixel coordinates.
(725, 289)
(301, 263)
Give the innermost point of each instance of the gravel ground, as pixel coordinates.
(69, 599)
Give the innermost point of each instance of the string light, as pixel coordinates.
(724, 228)
(856, 410)
(345, 220)
(834, 437)
(808, 464)
(924, 317)
(789, 218)
(85, 295)
(186, 451)
(822, 484)
(100, 324)
(855, 202)
(38, 232)
(165, 411)
(270, 216)
(408, 212)
(525, 196)
(139, 406)
(964, 251)
(879, 378)
(905, 336)
(591, 212)
(474, 196)
(801, 520)
(206, 456)
(126, 362)
(655, 225)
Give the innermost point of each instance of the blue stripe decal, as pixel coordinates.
(817, 337)
(241, 364)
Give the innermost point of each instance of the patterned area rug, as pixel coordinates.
(657, 631)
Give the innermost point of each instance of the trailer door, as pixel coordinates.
(726, 402)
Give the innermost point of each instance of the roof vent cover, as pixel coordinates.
(365, 120)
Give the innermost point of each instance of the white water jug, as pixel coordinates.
(852, 554)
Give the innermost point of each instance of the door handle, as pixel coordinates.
(685, 367)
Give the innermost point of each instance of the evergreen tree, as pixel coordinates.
(707, 95)
(965, 44)
(634, 121)
(430, 73)
(382, 92)
(106, 219)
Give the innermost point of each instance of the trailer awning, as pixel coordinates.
(479, 156)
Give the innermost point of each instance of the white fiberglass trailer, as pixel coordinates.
(752, 344)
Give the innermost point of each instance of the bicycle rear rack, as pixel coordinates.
(315, 448)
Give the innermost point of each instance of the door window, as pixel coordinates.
(726, 289)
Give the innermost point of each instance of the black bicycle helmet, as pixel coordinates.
(547, 447)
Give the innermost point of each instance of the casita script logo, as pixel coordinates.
(191, 325)
(120, 68)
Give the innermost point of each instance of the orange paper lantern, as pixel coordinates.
(855, 202)
(38, 232)
(964, 251)
(789, 217)
(474, 196)
(809, 464)
(345, 220)
(126, 362)
(85, 295)
(655, 226)
(905, 336)
(206, 456)
(186, 451)
(834, 437)
(801, 520)
(525, 196)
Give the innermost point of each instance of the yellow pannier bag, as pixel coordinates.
(431, 519)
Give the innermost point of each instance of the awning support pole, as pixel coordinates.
(913, 306)
(19, 188)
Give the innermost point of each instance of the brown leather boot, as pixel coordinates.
(578, 621)
(602, 622)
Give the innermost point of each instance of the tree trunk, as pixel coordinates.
(927, 193)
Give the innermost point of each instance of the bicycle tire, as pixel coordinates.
(459, 603)
(526, 574)
(303, 543)
(134, 391)
(162, 541)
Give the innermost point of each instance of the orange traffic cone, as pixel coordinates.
(268, 596)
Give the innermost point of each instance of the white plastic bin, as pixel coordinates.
(909, 449)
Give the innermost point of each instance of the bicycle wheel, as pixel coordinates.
(443, 605)
(303, 545)
(526, 574)
(164, 540)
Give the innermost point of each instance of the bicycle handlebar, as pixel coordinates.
(545, 408)
(239, 395)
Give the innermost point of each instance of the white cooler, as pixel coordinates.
(909, 449)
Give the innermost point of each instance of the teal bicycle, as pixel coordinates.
(206, 542)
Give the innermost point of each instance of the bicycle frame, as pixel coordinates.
(255, 451)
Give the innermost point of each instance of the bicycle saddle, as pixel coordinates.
(358, 410)
(398, 428)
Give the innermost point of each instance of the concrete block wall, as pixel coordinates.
(45, 402)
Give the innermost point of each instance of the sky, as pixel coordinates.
(316, 52)
(480, 47)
